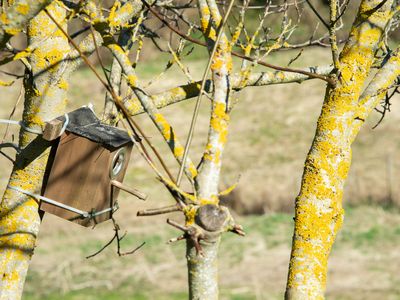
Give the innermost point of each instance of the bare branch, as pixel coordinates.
(16, 17)
(315, 11)
(252, 59)
(376, 90)
(159, 211)
(188, 91)
(177, 225)
(118, 238)
(333, 5)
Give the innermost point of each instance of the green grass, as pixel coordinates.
(366, 230)
(374, 236)
(89, 294)
(117, 295)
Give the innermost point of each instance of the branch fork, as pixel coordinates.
(206, 224)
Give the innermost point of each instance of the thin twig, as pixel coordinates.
(344, 8)
(268, 65)
(177, 239)
(317, 14)
(177, 225)
(75, 34)
(118, 238)
(133, 251)
(7, 156)
(158, 211)
(332, 34)
(102, 248)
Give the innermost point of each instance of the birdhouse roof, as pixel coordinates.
(84, 122)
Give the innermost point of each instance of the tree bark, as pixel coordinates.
(319, 212)
(210, 219)
(45, 99)
(191, 90)
(14, 19)
(203, 270)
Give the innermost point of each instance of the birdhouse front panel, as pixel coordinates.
(79, 177)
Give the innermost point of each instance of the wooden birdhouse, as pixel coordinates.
(86, 168)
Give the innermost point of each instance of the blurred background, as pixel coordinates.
(270, 134)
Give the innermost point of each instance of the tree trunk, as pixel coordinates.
(319, 212)
(203, 270)
(45, 99)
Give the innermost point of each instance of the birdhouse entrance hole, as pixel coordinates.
(117, 163)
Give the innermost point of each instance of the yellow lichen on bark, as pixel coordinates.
(92, 11)
(219, 121)
(112, 15)
(376, 91)
(45, 99)
(221, 68)
(15, 17)
(118, 13)
(319, 212)
(169, 136)
(190, 214)
(22, 8)
(203, 270)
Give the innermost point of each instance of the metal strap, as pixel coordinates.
(65, 124)
(32, 130)
(22, 124)
(84, 214)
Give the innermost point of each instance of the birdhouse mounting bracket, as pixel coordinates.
(85, 214)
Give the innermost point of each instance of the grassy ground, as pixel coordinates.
(363, 265)
(271, 131)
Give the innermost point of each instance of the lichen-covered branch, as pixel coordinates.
(87, 46)
(203, 269)
(158, 119)
(334, 6)
(45, 99)
(191, 90)
(376, 91)
(119, 18)
(73, 60)
(110, 111)
(208, 178)
(121, 14)
(15, 18)
(319, 212)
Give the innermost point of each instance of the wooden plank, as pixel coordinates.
(52, 129)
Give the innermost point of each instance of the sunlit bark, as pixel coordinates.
(14, 19)
(45, 98)
(319, 212)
